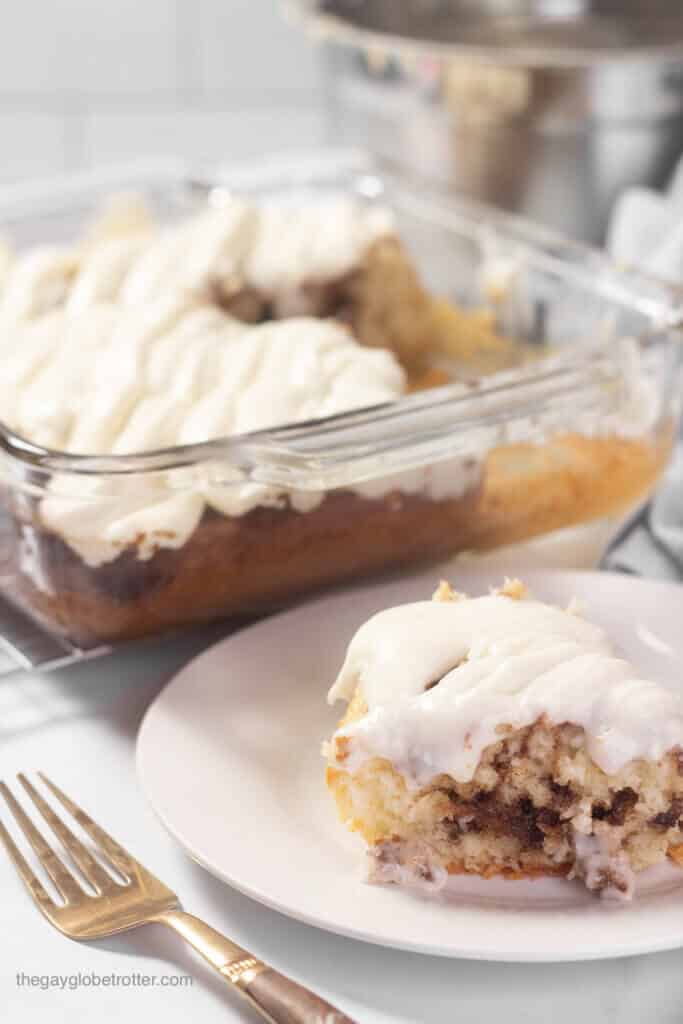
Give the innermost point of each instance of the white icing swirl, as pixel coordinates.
(270, 247)
(37, 282)
(112, 346)
(120, 381)
(496, 662)
(321, 241)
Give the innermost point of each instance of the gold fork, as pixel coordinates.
(140, 898)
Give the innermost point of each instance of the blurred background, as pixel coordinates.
(548, 108)
(568, 112)
(84, 83)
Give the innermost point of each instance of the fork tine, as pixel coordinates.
(90, 868)
(121, 860)
(31, 881)
(65, 882)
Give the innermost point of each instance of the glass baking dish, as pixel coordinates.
(575, 439)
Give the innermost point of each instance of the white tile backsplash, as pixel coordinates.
(88, 48)
(84, 82)
(245, 47)
(33, 144)
(200, 136)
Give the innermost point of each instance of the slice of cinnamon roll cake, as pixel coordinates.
(502, 736)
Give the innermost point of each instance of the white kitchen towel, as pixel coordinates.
(646, 231)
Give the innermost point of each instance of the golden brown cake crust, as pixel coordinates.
(233, 566)
(534, 489)
(386, 305)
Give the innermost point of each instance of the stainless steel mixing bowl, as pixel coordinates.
(546, 108)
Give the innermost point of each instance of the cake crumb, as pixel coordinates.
(576, 607)
(341, 748)
(675, 853)
(445, 592)
(512, 588)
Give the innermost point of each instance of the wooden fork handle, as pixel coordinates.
(277, 998)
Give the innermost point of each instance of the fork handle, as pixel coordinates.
(278, 999)
(283, 1001)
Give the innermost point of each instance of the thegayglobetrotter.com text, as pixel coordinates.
(93, 979)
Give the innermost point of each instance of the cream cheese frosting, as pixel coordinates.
(115, 346)
(108, 382)
(268, 246)
(444, 680)
(114, 380)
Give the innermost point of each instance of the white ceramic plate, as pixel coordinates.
(229, 758)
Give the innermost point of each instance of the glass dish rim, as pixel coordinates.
(660, 303)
